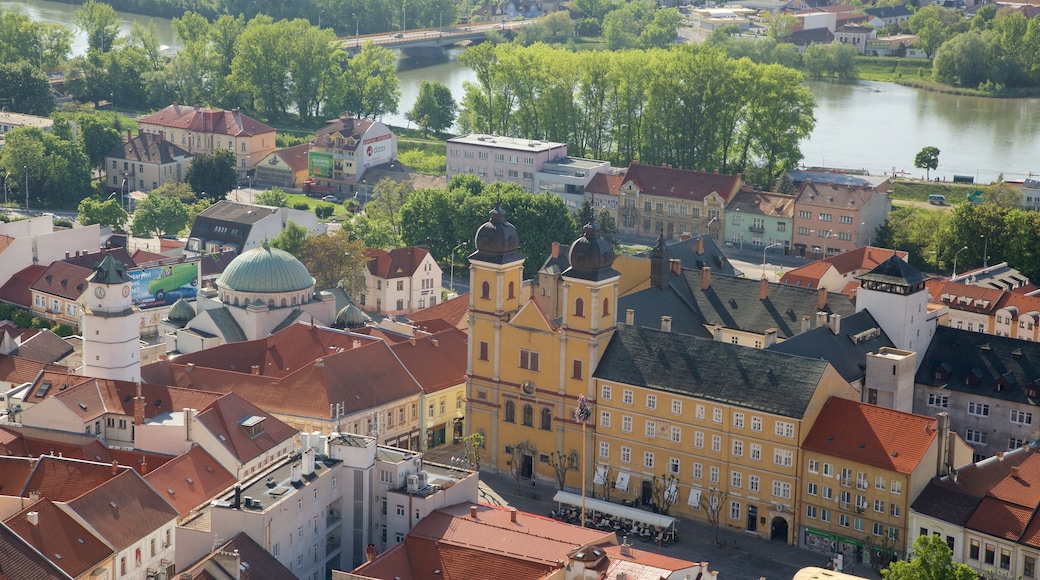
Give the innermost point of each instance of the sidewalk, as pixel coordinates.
(737, 556)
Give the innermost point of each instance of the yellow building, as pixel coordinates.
(863, 466)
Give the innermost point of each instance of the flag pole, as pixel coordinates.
(581, 415)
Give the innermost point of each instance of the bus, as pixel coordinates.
(936, 199)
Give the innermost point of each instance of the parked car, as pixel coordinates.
(331, 198)
(399, 35)
(173, 277)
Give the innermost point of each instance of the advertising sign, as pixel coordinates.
(319, 164)
(378, 149)
(163, 285)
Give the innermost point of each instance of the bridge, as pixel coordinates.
(427, 38)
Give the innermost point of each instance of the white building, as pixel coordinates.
(36, 241)
(228, 225)
(401, 281)
(568, 178)
(494, 158)
(110, 324)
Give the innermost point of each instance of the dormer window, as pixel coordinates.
(252, 425)
(942, 372)
(973, 378)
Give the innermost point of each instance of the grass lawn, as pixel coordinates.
(920, 190)
(873, 68)
(295, 198)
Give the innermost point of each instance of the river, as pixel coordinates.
(874, 126)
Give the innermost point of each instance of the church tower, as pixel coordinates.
(110, 324)
(895, 294)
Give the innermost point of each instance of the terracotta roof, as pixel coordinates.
(256, 563)
(63, 479)
(64, 280)
(965, 297)
(606, 184)
(397, 263)
(295, 157)
(834, 195)
(17, 289)
(232, 123)
(15, 469)
(681, 183)
(224, 420)
(123, 510)
(94, 451)
(98, 397)
(862, 258)
(18, 370)
(437, 362)
(144, 257)
(44, 346)
(193, 477)
(345, 126)
(645, 558)
(148, 148)
(999, 518)
(59, 537)
(872, 435)
(91, 260)
(22, 562)
(751, 202)
(807, 276)
(451, 311)
(1020, 488)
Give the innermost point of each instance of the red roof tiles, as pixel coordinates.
(451, 311)
(194, 119)
(437, 362)
(224, 417)
(681, 183)
(190, 480)
(397, 263)
(18, 290)
(124, 509)
(59, 537)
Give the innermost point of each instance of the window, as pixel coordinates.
(878, 529)
(781, 226)
(813, 489)
(734, 510)
(978, 409)
(826, 217)
(604, 449)
(579, 308)
(1015, 443)
(783, 457)
(626, 424)
(716, 415)
(698, 440)
(400, 285)
(676, 434)
(716, 443)
(756, 424)
(510, 412)
(713, 474)
(676, 407)
(604, 419)
(648, 459)
(1022, 417)
(736, 479)
(483, 350)
(738, 448)
(805, 214)
(861, 480)
(752, 483)
(756, 452)
(400, 511)
(528, 415)
(651, 401)
(844, 497)
(896, 486)
(781, 489)
(894, 510)
(1029, 566)
(846, 477)
(626, 455)
(698, 470)
(973, 436)
(825, 515)
(857, 524)
(485, 290)
(828, 493)
(1005, 559)
(990, 554)
(814, 466)
(784, 429)
(604, 392)
(810, 511)
(738, 420)
(627, 397)
(546, 422)
(513, 174)
(879, 482)
(651, 429)
(576, 369)
(673, 465)
(528, 360)
(973, 551)
(879, 506)
(843, 520)
(700, 412)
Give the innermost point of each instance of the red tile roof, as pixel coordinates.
(749, 201)
(22, 562)
(1020, 488)
(451, 311)
(437, 362)
(964, 297)
(17, 370)
(397, 263)
(807, 276)
(63, 279)
(606, 184)
(1000, 519)
(193, 477)
(256, 563)
(60, 538)
(871, 435)
(17, 289)
(862, 258)
(14, 472)
(144, 257)
(64, 479)
(98, 397)
(124, 510)
(681, 183)
(296, 156)
(224, 417)
(197, 120)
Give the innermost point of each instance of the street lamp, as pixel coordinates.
(773, 245)
(452, 274)
(708, 227)
(985, 249)
(319, 17)
(26, 168)
(825, 238)
(954, 277)
(126, 187)
(6, 176)
(357, 29)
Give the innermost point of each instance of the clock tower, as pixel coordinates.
(110, 325)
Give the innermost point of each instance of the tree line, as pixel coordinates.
(689, 106)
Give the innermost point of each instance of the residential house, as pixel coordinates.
(885, 16)
(604, 189)
(56, 293)
(400, 281)
(443, 385)
(862, 467)
(855, 35)
(999, 276)
(569, 178)
(655, 200)
(833, 218)
(10, 120)
(144, 163)
(66, 542)
(453, 311)
(285, 168)
(347, 147)
(36, 242)
(986, 512)
(1030, 192)
(239, 557)
(203, 131)
(190, 480)
(987, 309)
(22, 560)
(803, 39)
(496, 158)
(760, 220)
(899, 45)
(840, 271)
(228, 225)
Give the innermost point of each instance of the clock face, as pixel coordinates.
(527, 387)
(126, 291)
(99, 292)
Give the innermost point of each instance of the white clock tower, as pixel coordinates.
(110, 325)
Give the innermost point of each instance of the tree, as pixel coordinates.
(516, 453)
(665, 492)
(607, 480)
(292, 239)
(780, 25)
(934, 25)
(58, 170)
(561, 463)
(212, 175)
(334, 258)
(785, 184)
(434, 108)
(965, 61)
(712, 502)
(106, 213)
(98, 138)
(177, 190)
(274, 197)
(881, 550)
(372, 86)
(63, 330)
(933, 560)
(159, 215)
(471, 446)
(324, 210)
(388, 197)
(100, 22)
(1003, 195)
(558, 23)
(927, 158)
(25, 88)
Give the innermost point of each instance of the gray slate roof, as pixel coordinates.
(847, 356)
(228, 326)
(752, 378)
(686, 252)
(894, 271)
(959, 355)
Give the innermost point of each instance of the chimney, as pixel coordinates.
(237, 503)
(434, 342)
(308, 461)
(705, 278)
(230, 561)
(700, 245)
(1014, 473)
(675, 265)
(411, 341)
(370, 552)
(684, 236)
(473, 511)
(129, 135)
(66, 255)
(115, 467)
(626, 548)
(630, 317)
(255, 370)
(943, 439)
(144, 466)
(821, 319)
(770, 338)
(34, 518)
(35, 496)
(763, 289)
(138, 407)
(556, 249)
(189, 416)
(836, 324)
(666, 323)
(296, 470)
(512, 515)
(821, 297)
(806, 323)
(716, 333)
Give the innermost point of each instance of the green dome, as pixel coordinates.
(265, 270)
(352, 317)
(181, 311)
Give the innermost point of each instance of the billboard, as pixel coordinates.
(377, 149)
(319, 164)
(163, 285)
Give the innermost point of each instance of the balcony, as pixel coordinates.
(758, 229)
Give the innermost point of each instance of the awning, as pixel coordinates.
(622, 482)
(601, 475)
(620, 511)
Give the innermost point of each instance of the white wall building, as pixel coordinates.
(110, 325)
(36, 241)
(494, 158)
(228, 225)
(401, 281)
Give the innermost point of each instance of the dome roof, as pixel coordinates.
(351, 316)
(265, 270)
(591, 256)
(496, 240)
(182, 311)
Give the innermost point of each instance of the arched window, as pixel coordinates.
(485, 290)
(528, 415)
(236, 300)
(283, 303)
(270, 302)
(579, 308)
(546, 419)
(245, 302)
(510, 412)
(606, 307)
(512, 291)
(294, 301)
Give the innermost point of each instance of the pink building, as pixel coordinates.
(493, 158)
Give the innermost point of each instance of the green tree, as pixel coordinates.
(663, 30)
(176, 190)
(25, 89)
(324, 210)
(260, 67)
(558, 24)
(159, 215)
(334, 258)
(928, 159)
(58, 170)
(292, 238)
(100, 22)
(781, 25)
(434, 107)
(98, 137)
(933, 560)
(372, 234)
(1003, 195)
(63, 330)
(934, 25)
(212, 176)
(964, 61)
(561, 463)
(106, 213)
(274, 197)
(388, 196)
(372, 87)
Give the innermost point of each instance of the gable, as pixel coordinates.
(531, 317)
